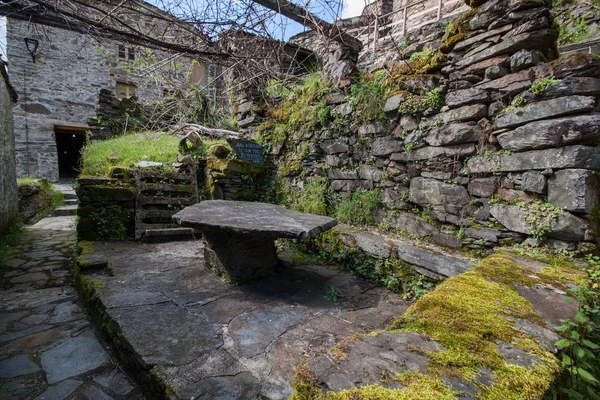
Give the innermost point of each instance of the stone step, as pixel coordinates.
(169, 235)
(65, 211)
(70, 196)
(71, 202)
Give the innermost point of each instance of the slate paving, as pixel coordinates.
(208, 339)
(49, 348)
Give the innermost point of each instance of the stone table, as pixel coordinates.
(240, 236)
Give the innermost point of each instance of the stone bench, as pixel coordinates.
(240, 236)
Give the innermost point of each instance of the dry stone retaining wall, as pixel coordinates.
(503, 161)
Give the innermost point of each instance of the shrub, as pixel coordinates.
(540, 216)
(300, 111)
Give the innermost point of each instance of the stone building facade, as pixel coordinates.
(9, 197)
(59, 91)
(387, 27)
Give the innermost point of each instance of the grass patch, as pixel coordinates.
(313, 199)
(368, 96)
(359, 207)
(126, 150)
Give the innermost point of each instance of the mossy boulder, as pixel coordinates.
(119, 172)
(220, 150)
(484, 334)
(229, 165)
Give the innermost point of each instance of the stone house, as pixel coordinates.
(384, 27)
(9, 198)
(59, 91)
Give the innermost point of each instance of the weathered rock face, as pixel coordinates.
(390, 352)
(442, 196)
(566, 226)
(545, 109)
(465, 113)
(458, 133)
(460, 151)
(575, 190)
(585, 86)
(483, 187)
(585, 157)
(384, 146)
(428, 327)
(466, 96)
(533, 181)
(542, 39)
(552, 133)
(430, 264)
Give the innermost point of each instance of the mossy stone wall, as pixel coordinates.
(106, 208)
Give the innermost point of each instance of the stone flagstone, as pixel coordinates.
(72, 357)
(17, 366)
(48, 332)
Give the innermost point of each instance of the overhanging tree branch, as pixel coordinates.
(306, 18)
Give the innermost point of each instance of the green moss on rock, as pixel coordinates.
(467, 315)
(119, 172)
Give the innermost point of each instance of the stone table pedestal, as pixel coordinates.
(240, 236)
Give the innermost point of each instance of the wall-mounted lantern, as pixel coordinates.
(32, 46)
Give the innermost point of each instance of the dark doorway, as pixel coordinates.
(69, 142)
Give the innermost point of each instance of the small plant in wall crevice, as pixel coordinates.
(333, 294)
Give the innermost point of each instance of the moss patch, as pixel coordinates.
(467, 315)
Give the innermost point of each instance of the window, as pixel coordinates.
(125, 90)
(199, 75)
(126, 53)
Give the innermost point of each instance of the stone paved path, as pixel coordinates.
(48, 346)
(207, 339)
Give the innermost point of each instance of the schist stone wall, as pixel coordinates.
(389, 28)
(9, 197)
(512, 156)
(62, 87)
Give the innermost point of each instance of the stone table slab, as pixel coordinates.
(248, 218)
(240, 236)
